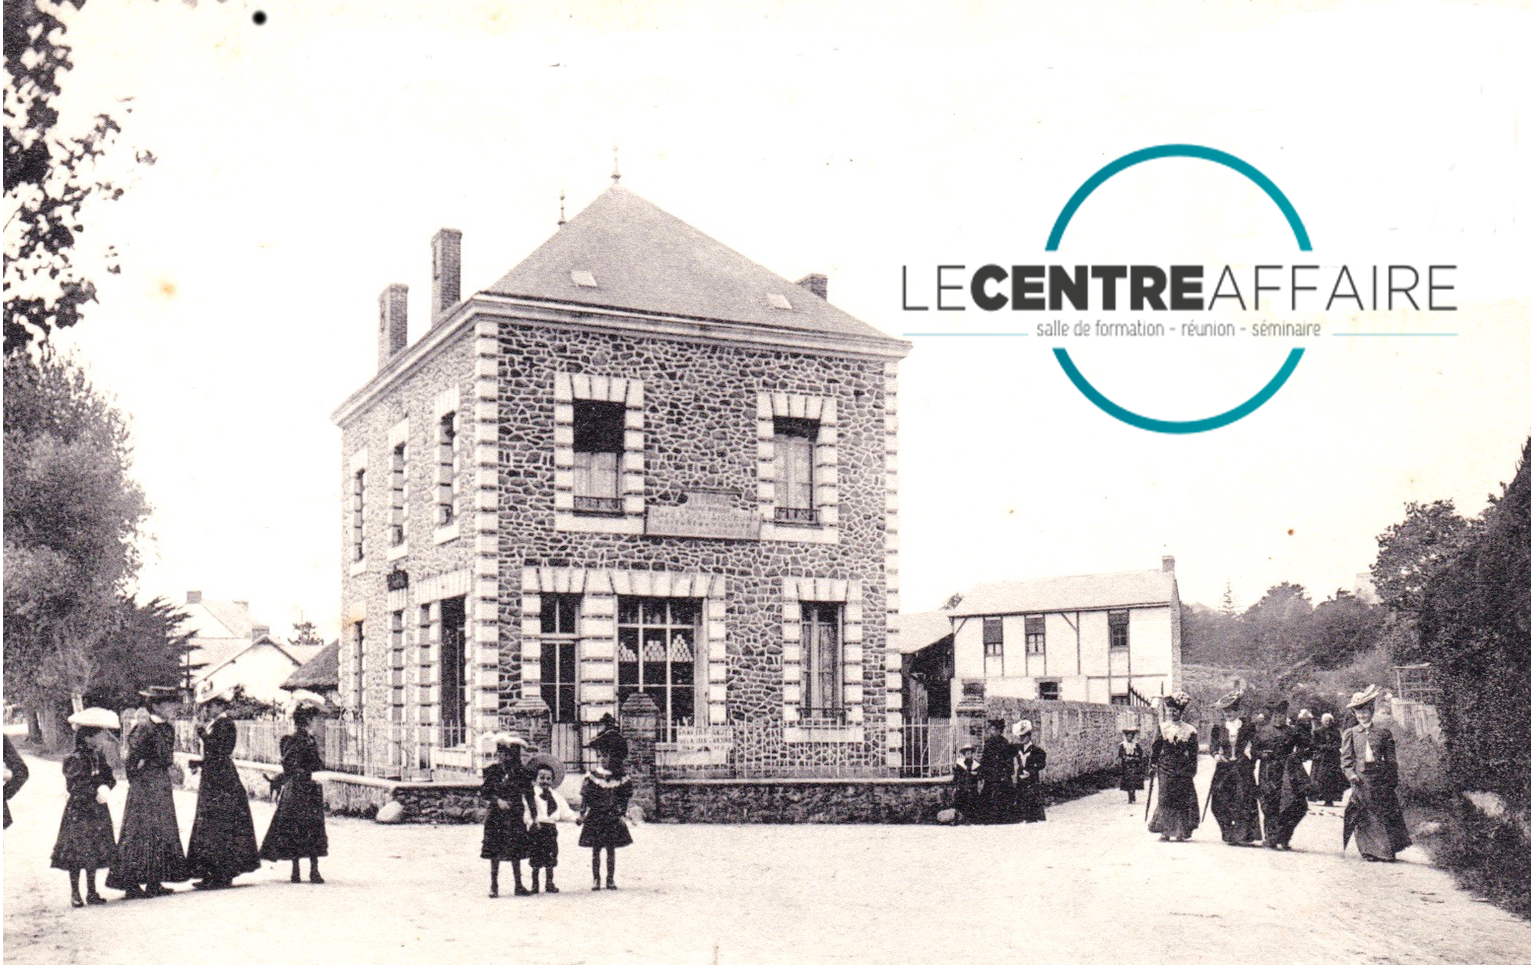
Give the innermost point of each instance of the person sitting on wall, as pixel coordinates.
(1030, 761)
(965, 784)
(996, 775)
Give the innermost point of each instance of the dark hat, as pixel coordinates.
(160, 693)
(611, 742)
(1278, 706)
(996, 722)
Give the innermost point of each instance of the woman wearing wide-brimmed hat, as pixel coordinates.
(508, 792)
(1370, 761)
(1173, 758)
(1232, 796)
(85, 841)
(297, 826)
(1031, 759)
(149, 853)
(222, 842)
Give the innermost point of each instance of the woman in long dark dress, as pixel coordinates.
(996, 775)
(1281, 782)
(297, 825)
(606, 792)
(85, 840)
(509, 792)
(1233, 779)
(1369, 758)
(223, 835)
(1031, 759)
(1173, 759)
(149, 852)
(1329, 783)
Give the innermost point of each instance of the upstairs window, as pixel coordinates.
(358, 515)
(446, 477)
(396, 523)
(599, 429)
(795, 439)
(1117, 621)
(993, 647)
(1036, 635)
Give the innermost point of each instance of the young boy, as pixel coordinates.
(1130, 760)
(965, 784)
(552, 809)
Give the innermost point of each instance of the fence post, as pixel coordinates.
(531, 717)
(640, 726)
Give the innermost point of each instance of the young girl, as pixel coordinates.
(85, 840)
(552, 808)
(507, 790)
(297, 826)
(1130, 763)
(605, 795)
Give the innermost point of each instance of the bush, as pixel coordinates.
(1422, 776)
(1491, 856)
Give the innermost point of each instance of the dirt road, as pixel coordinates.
(1090, 885)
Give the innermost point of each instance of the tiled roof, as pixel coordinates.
(643, 258)
(919, 630)
(1115, 590)
(322, 671)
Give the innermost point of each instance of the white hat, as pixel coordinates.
(1365, 697)
(97, 717)
(227, 693)
(489, 742)
(301, 698)
(1023, 727)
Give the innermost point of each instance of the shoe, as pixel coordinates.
(522, 892)
(314, 878)
(597, 885)
(297, 878)
(494, 891)
(76, 902)
(611, 885)
(94, 899)
(158, 890)
(551, 889)
(133, 893)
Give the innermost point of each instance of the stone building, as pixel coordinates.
(1108, 638)
(636, 462)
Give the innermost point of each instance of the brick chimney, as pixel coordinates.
(1169, 564)
(446, 272)
(816, 283)
(392, 322)
(193, 597)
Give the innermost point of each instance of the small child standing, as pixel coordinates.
(605, 795)
(552, 809)
(965, 784)
(1131, 762)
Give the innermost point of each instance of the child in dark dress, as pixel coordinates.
(1131, 764)
(297, 826)
(507, 791)
(85, 839)
(605, 795)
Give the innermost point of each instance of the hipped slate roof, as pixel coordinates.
(1116, 590)
(919, 630)
(320, 672)
(643, 258)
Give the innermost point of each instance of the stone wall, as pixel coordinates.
(802, 801)
(1079, 737)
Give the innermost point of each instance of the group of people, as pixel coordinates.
(1261, 780)
(1005, 784)
(524, 808)
(148, 855)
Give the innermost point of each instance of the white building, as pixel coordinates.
(1087, 638)
(233, 649)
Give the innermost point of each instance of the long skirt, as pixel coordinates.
(505, 835)
(604, 831)
(223, 834)
(150, 849)
(1177, 813)
(297, 826)
(1283, 800)
(1234, 804)
(1029, 802)
(1375, 818)
(996, 802)
(1329, 784)
(85, 838)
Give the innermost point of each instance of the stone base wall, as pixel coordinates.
(802, 801)
(1079, 737)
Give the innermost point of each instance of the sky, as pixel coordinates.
(304, 164)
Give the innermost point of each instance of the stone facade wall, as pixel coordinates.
(700, 424)
(802, 801)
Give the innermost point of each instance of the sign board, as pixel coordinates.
(696, 746)
(704, 514)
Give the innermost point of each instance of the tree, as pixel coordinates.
(1340, 629)
(1273, 627)
(306, 635)
(1229, 607)
(144, 648)
(52, 176)
(1411, 552)
(72, 515)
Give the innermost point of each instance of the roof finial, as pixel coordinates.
(561, 219)
(616, 171)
